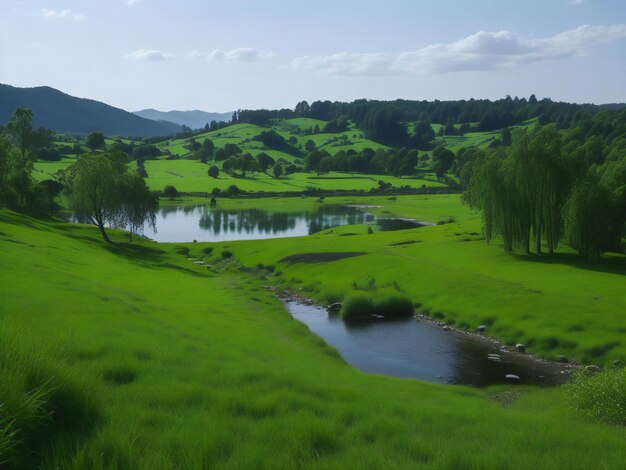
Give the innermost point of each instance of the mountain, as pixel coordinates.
(63, 113)
(195, 119)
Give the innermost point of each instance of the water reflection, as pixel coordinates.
(416, 349)
(205, 223)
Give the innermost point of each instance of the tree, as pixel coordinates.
(277, 171)
(138, 205)
(214, 171)
(170, 192)
(265, 161)
(591, 219)
(20, 128)
(95, 141)
(505, 136)
(100, 187)
(443, 160)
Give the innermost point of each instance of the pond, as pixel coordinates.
(213, 224)
(412, 348)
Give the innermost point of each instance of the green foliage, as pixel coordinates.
(601, 396)
(362, 306)
(592, 219)
(95, 141)
(213, 171)
(170, 192)
(100, 187)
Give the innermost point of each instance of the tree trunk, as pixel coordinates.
(103, 232)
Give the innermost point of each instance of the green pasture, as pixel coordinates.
(139, 358)
(191, 176)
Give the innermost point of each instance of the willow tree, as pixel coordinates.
(547, 186)
(101, 187)
(592, 222)
(522, 189)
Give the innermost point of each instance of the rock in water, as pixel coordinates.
(334, 308)
(512, 377)
(520, 347)
(481, 328)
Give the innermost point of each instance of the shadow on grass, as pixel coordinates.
(606, 265)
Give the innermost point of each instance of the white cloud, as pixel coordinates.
(150, 55)
(242, 54)
(477, 52)
(67, 14)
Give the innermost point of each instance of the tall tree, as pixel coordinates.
(100, 187)
(20, 128)
(95, 141)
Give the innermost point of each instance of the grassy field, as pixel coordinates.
(243, 135)
(141, 359)
(558, 305)
(191, 176)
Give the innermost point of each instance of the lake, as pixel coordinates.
(213, 224)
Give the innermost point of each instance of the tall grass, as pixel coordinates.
(601, 396)
(361, 306)
(39, 401)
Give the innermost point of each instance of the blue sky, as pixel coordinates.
(219, 56)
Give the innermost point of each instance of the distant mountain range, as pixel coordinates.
(194, 119)
(63, 113)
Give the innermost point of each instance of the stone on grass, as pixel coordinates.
(512, 377)
(520, 347)
(481, 328)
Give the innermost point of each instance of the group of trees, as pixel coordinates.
(384, 162)
(543, 190)
(262, 163)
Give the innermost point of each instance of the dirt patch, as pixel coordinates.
(408, 242)
(320, 257)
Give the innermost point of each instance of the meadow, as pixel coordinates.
(132, 356)
(556, 306)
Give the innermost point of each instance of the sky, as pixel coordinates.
(224, 55)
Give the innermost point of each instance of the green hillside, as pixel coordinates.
(146, 360)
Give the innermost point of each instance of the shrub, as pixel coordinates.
(227, 254)
(394, 306)
(170, 192)
(601, 396)
(359, 306)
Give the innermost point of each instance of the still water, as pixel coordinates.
(410, 348)
(212, 224)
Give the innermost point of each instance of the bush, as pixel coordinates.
(359, 306)
(601, 396)
(227, 254)
(170, 192)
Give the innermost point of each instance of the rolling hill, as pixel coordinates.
(195, 119)
(63, 113)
